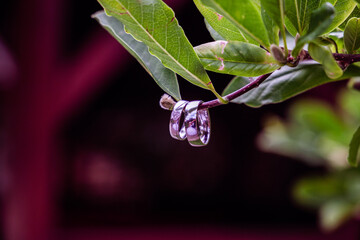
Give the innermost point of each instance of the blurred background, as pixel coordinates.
(85, 151)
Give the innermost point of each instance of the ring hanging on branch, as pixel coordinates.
(196, 124)
(176, 131)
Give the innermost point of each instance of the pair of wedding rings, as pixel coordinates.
(196, 125)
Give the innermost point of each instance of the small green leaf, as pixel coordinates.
(236, 58)
(224, 28)
(355, 13)
(335, 212)
(316, 191)
(324, 56)
(320, 20)
(343, 9)
(290, 27)
(271, 27)
(153, 23)
(235, 84)
(353, 157)
(288, 82)
(214, 34)
(164, 77)
(230, 17)
(352, 35)
(298, 12)
(275, 10)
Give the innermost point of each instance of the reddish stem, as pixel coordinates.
(237, 93)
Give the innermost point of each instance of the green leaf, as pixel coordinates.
(352, 35)
(275, 10)
(353, 157)
(320, 20)
(350, 102)
(288, 82)
(343, 9)
(153, 23)
(324, 56)
(223, 27)
(164, 77)
(298, 12)
(355, 13)
(271, 27)
(236, 58)
(316, 191)
(338, 37)
(327, 41)
(334, 213)
(235, 84)
(290, 27)
(358, 1)
(230, 17)
(214, 34)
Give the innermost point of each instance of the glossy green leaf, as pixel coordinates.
(353, 157)
(275, 10)
(290, 27)
(163, 76)
(352, 35)
(153, 23)
(235, 84)
(343, 9)
(236, 58)
(355, 13)
(324, 56)
(271, 27)
(229, 17)
(214, 34)
(320, 20)
(223, 27)
(288, 82)
(298, 13)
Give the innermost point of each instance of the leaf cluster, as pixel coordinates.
(318, 133)
(250, 40)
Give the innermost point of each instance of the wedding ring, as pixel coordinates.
(174, 126)
(197, 124)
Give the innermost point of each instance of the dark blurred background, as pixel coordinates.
(86, 153)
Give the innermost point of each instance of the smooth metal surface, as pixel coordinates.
(197, 124)
(176, 131)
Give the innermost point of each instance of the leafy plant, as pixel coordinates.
(318, 133)
(247, 38)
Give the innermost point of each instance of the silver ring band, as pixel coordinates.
(174, 125)
(197, 124)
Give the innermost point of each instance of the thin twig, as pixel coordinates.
(236, 93)
(343, 58)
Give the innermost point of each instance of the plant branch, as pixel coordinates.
(341, 57)
(236, 93)
(347, 58)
